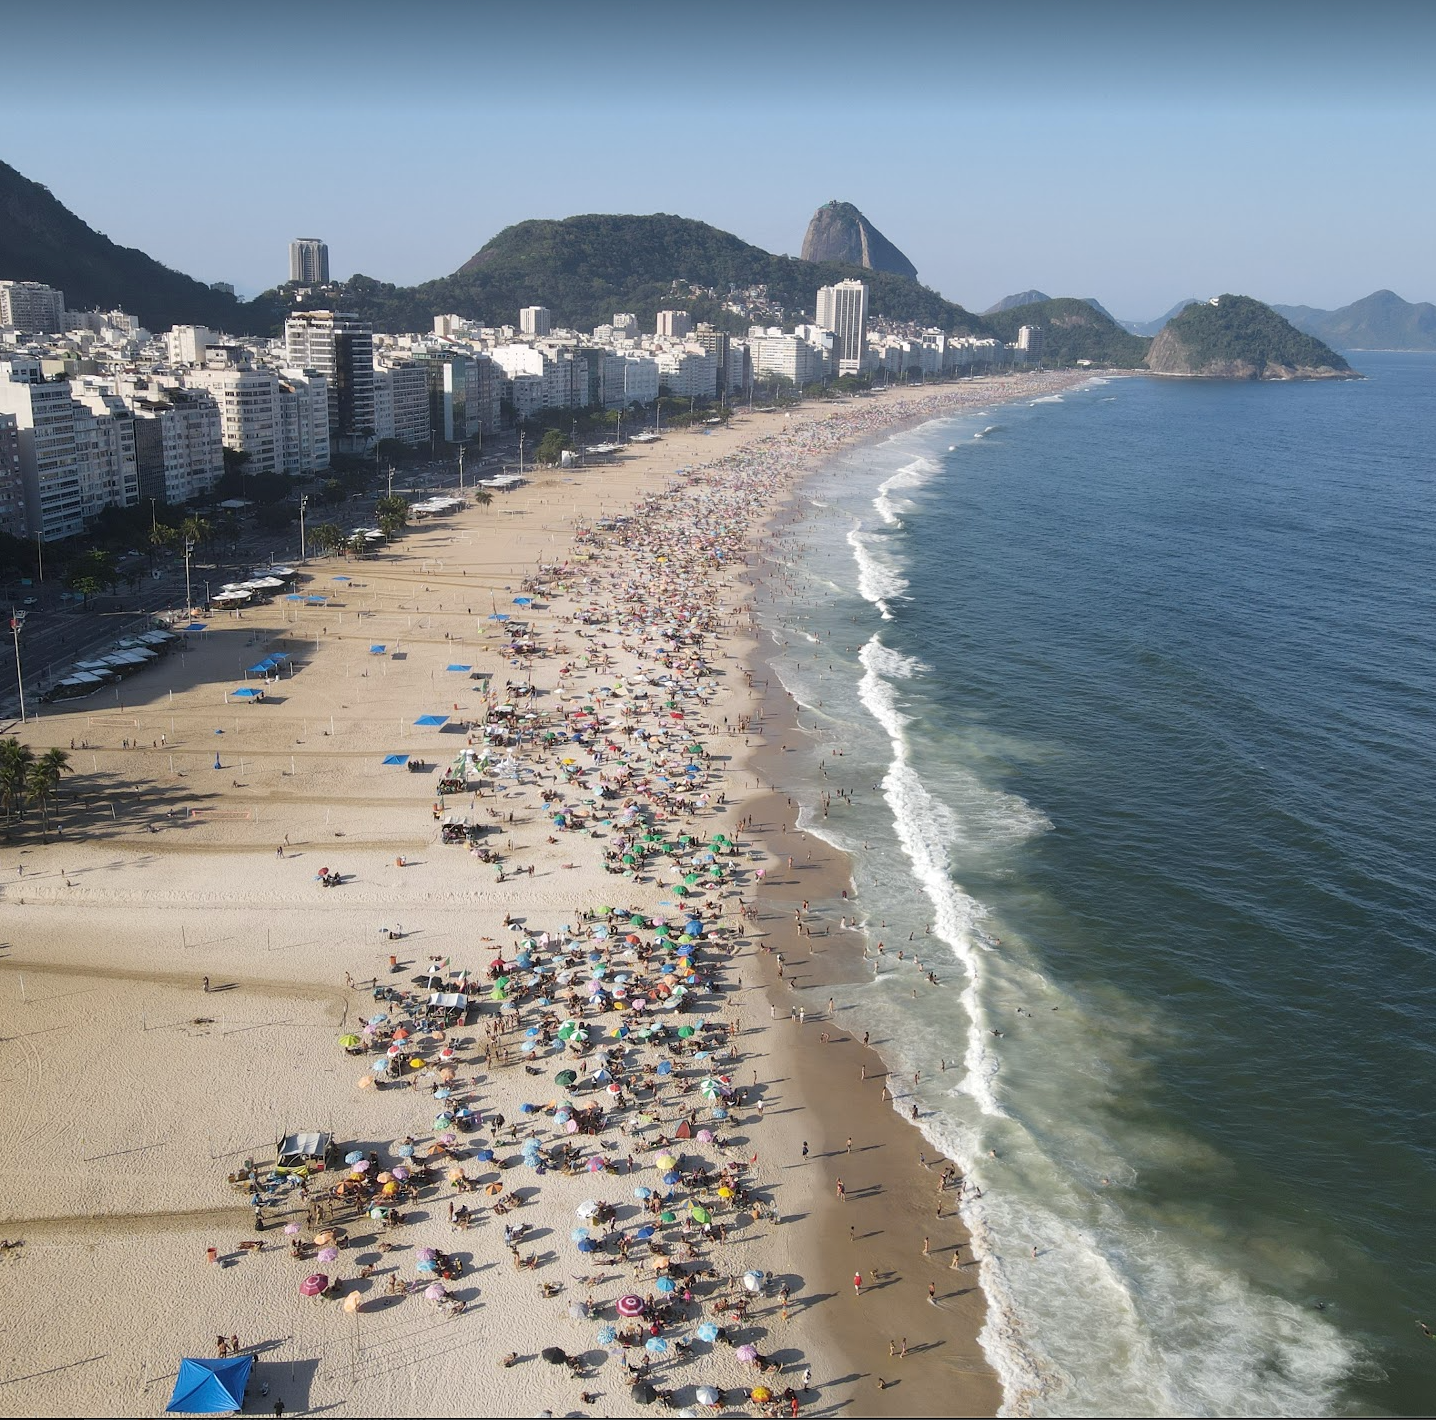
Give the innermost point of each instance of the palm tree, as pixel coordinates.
(197, 530)
(327, 537)
(483, 497)
(42, 781)
(16, 761)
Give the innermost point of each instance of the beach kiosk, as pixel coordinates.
(311, 1150)
(210, 1385)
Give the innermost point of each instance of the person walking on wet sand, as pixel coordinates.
(842, 1192)
(857, 1284)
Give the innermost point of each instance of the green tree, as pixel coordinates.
(552, 447)
(393, 507)
(390, 525)
(42, 781)
(16, 761)
(199, 531)
(91, 573)
(483, 497)
(326, 538)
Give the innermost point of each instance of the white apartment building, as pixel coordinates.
(625, 325)
(563, 377)
(843, 309)
(31, 306)
(186, 344)
(179, 447)
(44, 415)
(689, 372)
(535, 322)
(248, 401)
(788, 356)
(674, 324)
(401, 403)
(303, 423)
(628, 379)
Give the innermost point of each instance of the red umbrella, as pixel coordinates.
(629, 1305)
(313, 1285)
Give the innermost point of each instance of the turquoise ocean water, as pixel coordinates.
(1135, 689)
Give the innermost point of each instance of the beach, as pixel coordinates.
(614, 829)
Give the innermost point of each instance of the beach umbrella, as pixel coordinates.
(706, 1395)
(400, 1172)
(313, 1285)
(430, 1266)
(349, 1042)
(760, 1393)
(672, 1177)
(328, 1254)
(566, 1078)
(725, 1192)
(629, 1305)
(354, 1156)
(588, 1245)
(379, 1066)
(656, 1345)
(666, 1285)
(707, 1331)
(378, 1214)
(637, 1193)
(643, 1393)
(554, 1355)
(645, 1232)
(699, 1214)
(416, 1062)
(361, 1167)
(596, 1163)
(405, 1151)
(753, 1280)
(588, 1208)
(666, 1162)
(292, 1229)
(434, 1292)
(705, 1136)
(747, 1354)
(667, 1217)
(578, 1235)
(607, 1336)
(427, 1254)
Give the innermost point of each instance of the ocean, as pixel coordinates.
(1133, 690)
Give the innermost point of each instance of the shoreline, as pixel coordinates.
(115, 924)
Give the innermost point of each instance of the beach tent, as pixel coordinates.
(458, 668)
(294, 597)
(396, 759)
(432, 722)
(210, 1386)
(376, 650)
(247, 693)
(196, 626)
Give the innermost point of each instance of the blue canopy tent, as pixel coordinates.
(246, 692)
(376, 650)
(499, 616)
(458, 668)
(315, 601)
(432, 722)
(208, 1386)
(399, 759)
(339, 579)
(523, 601)
(196, 626)
(260, 668)
(295, 597)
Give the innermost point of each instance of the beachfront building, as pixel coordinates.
(843, 309)
(339, 346)
(465, 395)
(12, 489)
(179, 442)
(535, 322)
(302, 425)
(309, 261)
(248, 401)
(628, 378)
(1029, 342)
(688, 371)
(789, 357)
(104, 449)
(401, 403)
(31, 307)
(561, 375)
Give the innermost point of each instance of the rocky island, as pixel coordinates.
(1238, 338)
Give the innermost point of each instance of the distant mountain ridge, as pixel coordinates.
(42, 240)
(1022, 298)
(1380, 321)
(839, 232)
(1155, 327)
(1238, 338)
(1072, 329)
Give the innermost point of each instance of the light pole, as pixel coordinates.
(188, 598)
(17, 622)
(303, 504)
(461, 468)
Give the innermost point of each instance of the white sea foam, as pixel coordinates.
(1047, 399)
(877, 582)
(910, 475)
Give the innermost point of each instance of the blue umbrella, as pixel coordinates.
(578, 1235)
(666, 1285)
(645, 1232)
(643, 1193)
(428, 1265)
(485, 1156)
(665, 1067)
(707, 1331)
(353, 1156)
(405, 1151)
(656, 1344)
(588, 1246)
(379, 1066)
(671, 1178)
(607, 1336)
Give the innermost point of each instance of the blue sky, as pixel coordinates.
(1139, 153)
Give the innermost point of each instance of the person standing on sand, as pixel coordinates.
(857, 1284)
(842, 1192)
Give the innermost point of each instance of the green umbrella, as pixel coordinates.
(684, 1032)
(667, 1217)
(565, 1078)
(699, 1214)
(349, 1041)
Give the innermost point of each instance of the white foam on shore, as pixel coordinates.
(877, 583)
(910, 475)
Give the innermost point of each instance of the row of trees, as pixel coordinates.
(28, 780)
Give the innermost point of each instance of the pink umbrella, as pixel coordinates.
(361, 1167)
(313, 1285)
(630, 1305)
(395, 1051)
(328, 1254)
(449, 1138)
(570, 1126)
(401, 1173)
(597, 1163)
(747, 1353)
(291, 1228)
(435, 1292)
(426, 1254)
(705, 1136)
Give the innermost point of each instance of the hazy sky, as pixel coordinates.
(1139, 153)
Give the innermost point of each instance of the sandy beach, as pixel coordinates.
(177, 980)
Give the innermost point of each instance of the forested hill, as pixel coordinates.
(1236, 337)
(586, 268)
(1072, 330)
(42, 240)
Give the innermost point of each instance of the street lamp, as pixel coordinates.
(188, 598)
(303, 504)
(17, 623)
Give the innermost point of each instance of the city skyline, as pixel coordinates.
(1136, 157)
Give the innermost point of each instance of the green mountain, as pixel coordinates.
(1072, 330)
(839, 232)
(42, 240)
(1380, 321)
(586, 268)
(1237, 338)
(1022, 298)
